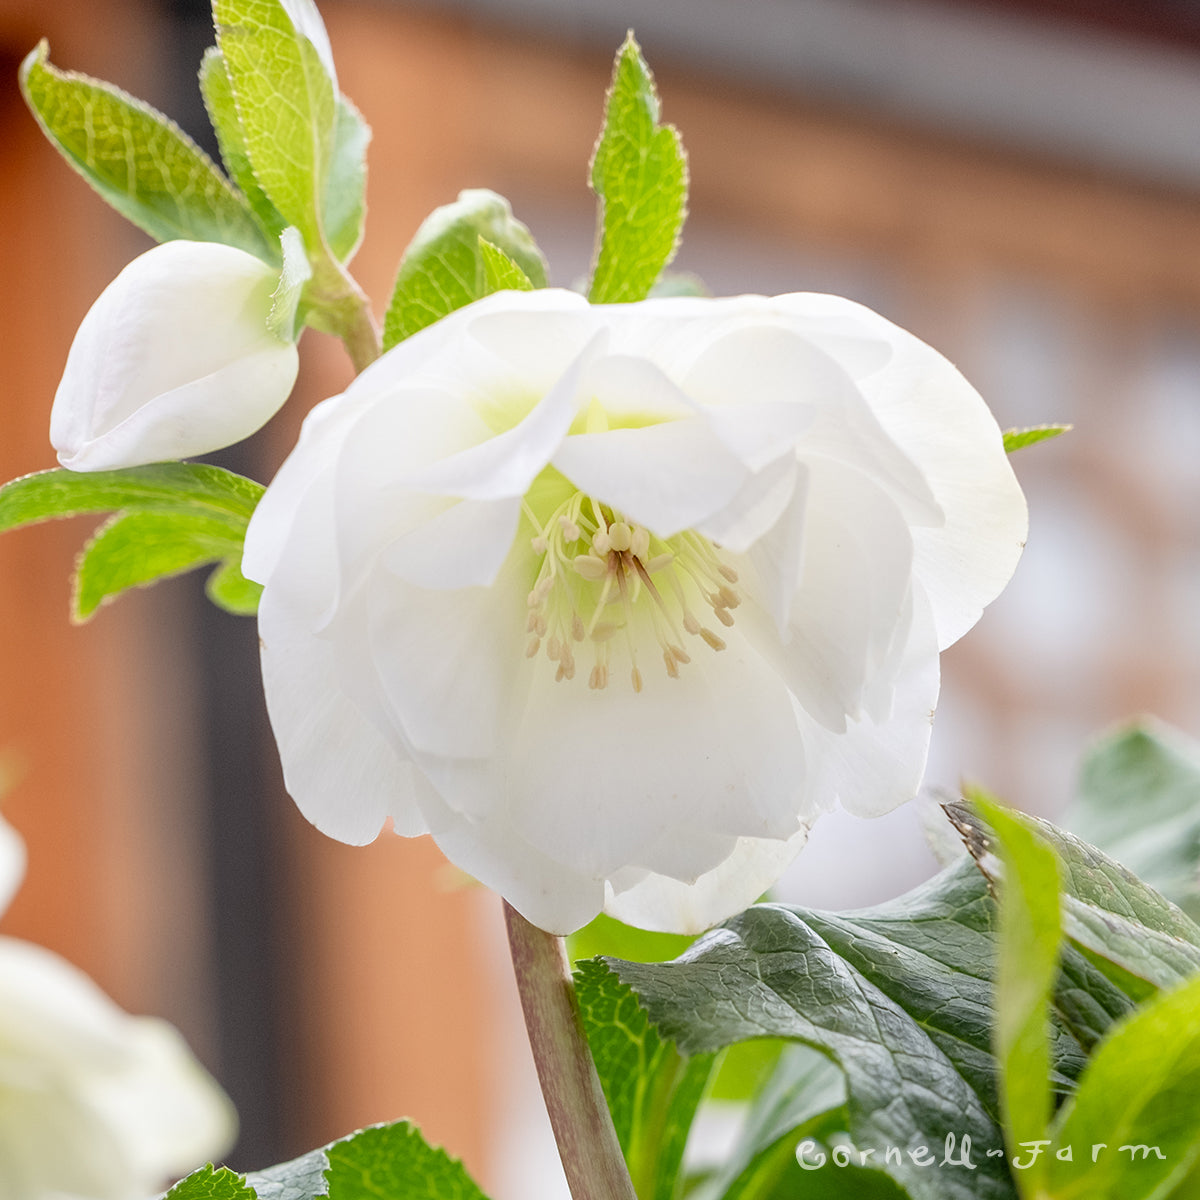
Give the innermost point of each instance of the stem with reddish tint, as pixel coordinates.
(587, 1142)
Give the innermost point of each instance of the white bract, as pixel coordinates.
(174, 359)
(615, 601)
(93, 1102)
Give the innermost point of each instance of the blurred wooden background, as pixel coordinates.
(330, 987)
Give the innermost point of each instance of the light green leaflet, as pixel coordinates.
(287, 107)
(138, 160)
(639, 175)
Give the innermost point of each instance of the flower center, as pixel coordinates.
(602, 580)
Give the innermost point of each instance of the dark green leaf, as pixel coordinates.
(1017, 439)
(135, 548)
(287, 107)
(394, 1162)
(1121, 924)
(148, 169)
(211, 1183)
(653, 1091)
(345, 200)
(1141, 1090)
(222, 112)
(444, 268)
(1026, 970)
(1139, 801)
(639, 175)
(302, 1178)
(907, 1024)
(186, 486)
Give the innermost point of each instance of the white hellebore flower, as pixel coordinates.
(616, 601)
(94, 1103)
(174, 359)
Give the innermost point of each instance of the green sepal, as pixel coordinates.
(286, 104)
(138, 160)
(168, 518)
(285, 300)
(639, 174)
(445, 268)
(1018, 439)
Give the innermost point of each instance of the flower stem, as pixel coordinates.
(587, 1142)
(337, 305)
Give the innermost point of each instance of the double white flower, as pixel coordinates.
(616, 601)
(93, 1103)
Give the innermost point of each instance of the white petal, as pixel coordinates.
(946, 430)
(344, 774)
(12, 863)
(668, 477)
(877, 765)
(174, 359)
(604, 779)
(665, 904)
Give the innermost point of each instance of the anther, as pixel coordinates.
(711, 638)
(639, 543)
(539, 544)
(554, 649)
(577, 630)
(532, 649)
(600, 542)
(728, 572)
(658, 562)
(598, 679)
(724, 616)
(690, 623)
(636, 677)
(620, 536)
(569, 528)
(590, 567)
(669, 659)
(728, 597)
(679, 654)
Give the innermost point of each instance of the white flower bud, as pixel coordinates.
(173, 360)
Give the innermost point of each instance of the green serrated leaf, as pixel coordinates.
(138, 160)
(222, 112)
(652, 1090)
(500, 273)
(285, 300)
(639, 175)
(1121, 924)
(1133, 1127)
(394, 1162)
(444, 269)
(1138, 800)
(1026, 970)
(1018, 439)
(302, 1178)
(345, 200)
(286, 105)
(229, 589)
(906, 1019)
(48, 495)
(133, 549)
(211, 1183)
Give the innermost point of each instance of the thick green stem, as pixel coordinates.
(339, 306)
(587, 1142)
